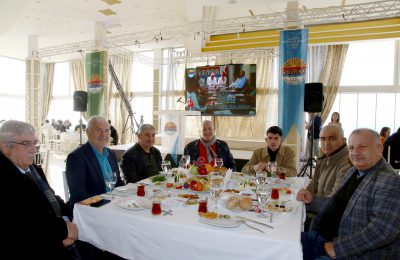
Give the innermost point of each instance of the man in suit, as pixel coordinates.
(88, 165)
(393, 142)
(36, 221)
(142, 160)
(313, 129)
(362, 219)
(274, 152)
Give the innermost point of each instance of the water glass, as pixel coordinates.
(166, 166)
(272, 166)
(218, 162)
(111, 180)
(261, 178)
(263, 195)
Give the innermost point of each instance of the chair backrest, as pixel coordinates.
(66, 188)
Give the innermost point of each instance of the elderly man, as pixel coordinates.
(33, 216)
(331, 168)
(362, 219)
(89, 165)
(274, 152)
(208, 147)
(142, 160)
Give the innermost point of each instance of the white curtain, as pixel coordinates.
(48, 88)
(117, 111)
(79, 76)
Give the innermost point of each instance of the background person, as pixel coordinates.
(87, 166)
(37, 222)
(335, 119)
(209, 147)
(385, 133)
(142, 160)
(393, 142)
(313, 129)
(362, 219)
(113, 134)
(283, 156)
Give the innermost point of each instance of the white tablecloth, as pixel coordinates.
(140, 235)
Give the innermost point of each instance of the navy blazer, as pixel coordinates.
(84, 176)
(30, 223)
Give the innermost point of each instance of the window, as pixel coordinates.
(12, 89)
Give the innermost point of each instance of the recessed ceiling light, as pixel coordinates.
(232, 2)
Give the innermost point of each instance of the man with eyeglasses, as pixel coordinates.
(35, 220)
(88, 165)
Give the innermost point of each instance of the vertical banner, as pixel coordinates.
(96, 76)
(292, 64)
(173, 133)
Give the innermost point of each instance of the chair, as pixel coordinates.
(42, 158)
(65, 185)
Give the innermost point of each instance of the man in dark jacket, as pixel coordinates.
(36, 220)
(142, 160)
(208, 147)
(393, 142)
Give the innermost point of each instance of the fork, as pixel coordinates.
(169, 212)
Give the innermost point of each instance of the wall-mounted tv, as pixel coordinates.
(223, 90)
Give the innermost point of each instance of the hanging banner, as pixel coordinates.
(173, 133)
(96, 76)
(293, 65)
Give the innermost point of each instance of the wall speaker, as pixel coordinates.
(80, 101)
(313, 97)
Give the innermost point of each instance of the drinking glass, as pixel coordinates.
(272, 167)
(185, 160)
(261, 178)
(111, 180)
(165, 165)
(216, 187)
(218, 162)
(263, 195)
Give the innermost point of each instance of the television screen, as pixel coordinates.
(227, 90)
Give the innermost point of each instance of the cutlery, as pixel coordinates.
(254, 221)
(169, 212)
(259, 230)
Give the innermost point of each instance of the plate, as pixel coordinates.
(221, 222)
(129, 188)
(136, 204)
(281, 207)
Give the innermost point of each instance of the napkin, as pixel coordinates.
(227, 179)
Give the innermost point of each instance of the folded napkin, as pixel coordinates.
(227, 179)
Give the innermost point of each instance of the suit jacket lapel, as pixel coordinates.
(94, 162)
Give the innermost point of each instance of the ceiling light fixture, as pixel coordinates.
(232, 2)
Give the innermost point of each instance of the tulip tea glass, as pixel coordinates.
(218, 162)
(156, 208)
(275, 194)
(140, 190)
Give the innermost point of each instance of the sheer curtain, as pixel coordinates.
(79, 77)
(117, 111)
(48, 88)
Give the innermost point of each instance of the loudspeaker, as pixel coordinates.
(313, 97)
(80, 101)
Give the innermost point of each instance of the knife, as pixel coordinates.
(259, 230)
(254, 221)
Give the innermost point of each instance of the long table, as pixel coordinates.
(140, 235)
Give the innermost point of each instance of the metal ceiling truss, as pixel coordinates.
(202, 30)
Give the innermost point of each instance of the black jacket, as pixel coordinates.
(136, 166)
(30, 223)
(223, 151)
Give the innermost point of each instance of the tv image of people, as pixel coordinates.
(227, 90)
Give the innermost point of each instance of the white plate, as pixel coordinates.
(290, 207)
(129, 188)
(221, 222)
(136, 204)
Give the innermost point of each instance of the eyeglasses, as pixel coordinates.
(27, 144)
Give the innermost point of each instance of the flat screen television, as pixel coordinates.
(222, 90)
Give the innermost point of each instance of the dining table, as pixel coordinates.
(180, 233)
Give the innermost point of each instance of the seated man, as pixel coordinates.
(362, 218)
(35, 218)
(331, 168)
(208, 147)
(88, 165)
(274, 152)
(142, 160)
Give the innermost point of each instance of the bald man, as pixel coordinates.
(331, 168)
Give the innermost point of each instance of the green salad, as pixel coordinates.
(158, 178)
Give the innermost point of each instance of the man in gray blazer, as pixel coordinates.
(362, 219)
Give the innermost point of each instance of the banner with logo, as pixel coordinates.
(96, 76)
(173, 133)
(293, 66)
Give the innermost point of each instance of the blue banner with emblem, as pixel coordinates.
(293, 66)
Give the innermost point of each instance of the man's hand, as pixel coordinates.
(72, 230)
(260, 166)
(330, 250)
(304, 195)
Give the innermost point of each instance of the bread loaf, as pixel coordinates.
(232, 202)
(245, 202)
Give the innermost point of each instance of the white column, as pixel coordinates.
(33, 97)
